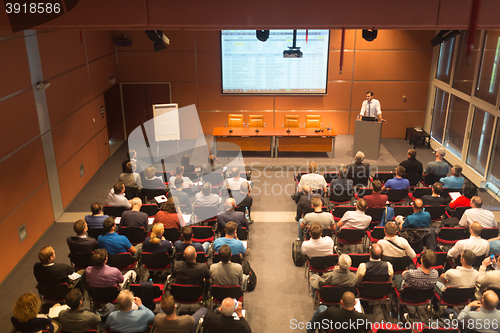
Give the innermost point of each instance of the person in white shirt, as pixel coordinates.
(316, 181)
(393, 245)
(475, 243)
(371, 108)
(488, 279)
(460, 277)
(317, 246)
(116, 196)
(355, 219)
(179, 172)
(477, 214)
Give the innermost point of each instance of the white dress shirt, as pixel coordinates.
(355, 219)
(370, 109)
(483, 216)
(117, 200)
(320, 247)
(475, 243)
(392, 251)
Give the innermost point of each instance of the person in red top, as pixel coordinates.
(376, 200)
(168, 215)
(470, 190)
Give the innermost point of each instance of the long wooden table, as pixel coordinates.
(275, 140)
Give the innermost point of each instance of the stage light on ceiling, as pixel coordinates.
(160, 41)
(262, 35)
(369, 34)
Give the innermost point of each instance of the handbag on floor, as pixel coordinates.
(297, 256)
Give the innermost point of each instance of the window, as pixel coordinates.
(489, 76)
(445, 61)
(482, 130)
(495, 160)
(455, 125)
(464, 68)
(439, 114)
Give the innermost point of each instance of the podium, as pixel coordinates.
(367, 136)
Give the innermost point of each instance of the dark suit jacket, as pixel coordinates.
(56, 273)
(342, 315)
(359, 173)
(81, 245)
(218, 323)
(231, 216)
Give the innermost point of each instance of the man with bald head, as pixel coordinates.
(345, 317)
(231, 215)
(223, 320)
(419, 218)
(486, 312)
(188, 271)
(135, 218)
(478, 214)
(375, 269)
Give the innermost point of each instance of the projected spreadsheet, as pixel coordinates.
(250, 66)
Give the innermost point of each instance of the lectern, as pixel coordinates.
(367, 136)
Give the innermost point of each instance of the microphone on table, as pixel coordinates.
(257, 129)
(330, 128)
(288, 124)
(230, 125)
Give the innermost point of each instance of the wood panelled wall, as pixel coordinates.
(394, 65)
(78, 65)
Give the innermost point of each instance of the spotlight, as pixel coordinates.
(443, 36)
(158, 38)
(262, 35)
(370, 35)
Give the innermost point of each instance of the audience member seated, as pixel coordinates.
(398, 182)
(435, 199)
(101, 275)
(114, 243)
(26, 319)
(179, 173)
(234, 183)
(206, 198)
(325, 219)
(488, 279)
(412, 165)
(47, 271)
(151, 180)
(182, 197)
(393, 245)
(341, 276)
(186, 163)
(168, 216)
(116, 196)
(213, 164)
(237, 246)
(128, 320)
(317, 246)
(341, 185)
(486, 312)
(242, 197)
(76, 319)
(475, 243)
(375, 270)
(225, 272)
(168, 321)
(189, 271)
(81, 243)
(130, 177)
(376, 200)
(95, 220)
(315, 181)
(231, 215)
(454, 181)
(460, 277)
(478, 214)
(359, 170)
(131, 157)
(345, 316)
(422, 278)
(304, 203)
(356, 219)
(419, 218)
(223, 320)
(134, 217)
(437, 168)
(187, 235)
(470, 190)
(156, 243)
(494, 245)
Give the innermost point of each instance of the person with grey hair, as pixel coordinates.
(454, 181)
(134, 217)
(206, 198)
(128, 320)
(478, 214)
(223, 320)
(359, 172)
(231, 215)
(437, 168)
(341, 276)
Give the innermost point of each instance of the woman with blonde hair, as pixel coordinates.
(25, 317)
(156, 243)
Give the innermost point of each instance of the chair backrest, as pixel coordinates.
(458, 296)
(323, 263)
(135, 235)
(329, 176)
(81, 260)
(103, 295)
(357, 259)
(375, 213)
(155, 260)
(342, 197)
(362, 191)
(459, 211)
(113, 211)
(396, 196)
(451, 234)
(403, 210)
(122, 261)
(383, 176)
(419, 192)
(219, 293)
(203, 213)
(488, 233)
(333, 294)
(53, 292)
(430, 179)
(132, 192)
(416, 295)
(339, 211)
(95, 233)
(186, 293)
(242, 233)
(313, 121)
(150, 193)
(236, 258)
(377, 233)
(446, 191)
(399, 264)
(375, 290)
(351, 234)
(291, 121)
(172, 234)
(150, 209)
(256, 120)
(436, 212)
(191, 175)
(412, 178)
(215, 178)
(202, 234)
(138, 290)
(235, 120)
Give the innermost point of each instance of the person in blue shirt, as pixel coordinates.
(419, 218)
(128, 320)
(454, 181)
(398, 182)
(114, 243)
(97, 218)
(230, 239)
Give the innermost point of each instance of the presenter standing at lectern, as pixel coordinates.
(371, 108)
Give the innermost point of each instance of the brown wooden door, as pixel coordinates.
(114, 116)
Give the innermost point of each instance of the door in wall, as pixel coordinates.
(138, 100)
